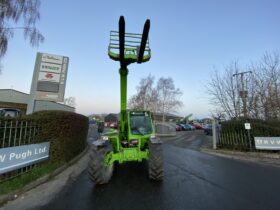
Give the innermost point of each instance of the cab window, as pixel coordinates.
(140, 123)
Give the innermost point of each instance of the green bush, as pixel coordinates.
(66, 131)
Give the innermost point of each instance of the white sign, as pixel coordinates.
(50, 67)
(247, 126)
(267, 143)
(49, 77)
(52, 58)
(46, 96)
(12, 158)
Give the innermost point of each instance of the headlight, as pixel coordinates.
(105, 138)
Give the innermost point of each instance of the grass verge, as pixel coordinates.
(19, 182)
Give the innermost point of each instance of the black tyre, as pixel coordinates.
(155, 162)
(98, 172)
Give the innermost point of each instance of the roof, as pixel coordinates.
(13, 96)
(14, 91)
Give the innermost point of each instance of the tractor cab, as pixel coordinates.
(138, 130)
(140, 123)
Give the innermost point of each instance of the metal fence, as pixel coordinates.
(238, 139)
(233, 139)
(16, 133)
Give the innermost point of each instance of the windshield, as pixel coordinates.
(140, 123)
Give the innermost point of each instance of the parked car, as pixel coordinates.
(188, 127)
(111, 124)
(183, 127)
(10, 112)
(197, 126)
(204, 125)
(191, 127)
(178, 127)
(114, 125)
(208, 129)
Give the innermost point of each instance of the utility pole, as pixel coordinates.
(243, 93)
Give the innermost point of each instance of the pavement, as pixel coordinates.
(257, 157)
(43, 195)
(46, 191)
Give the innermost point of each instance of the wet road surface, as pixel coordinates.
(193, 180)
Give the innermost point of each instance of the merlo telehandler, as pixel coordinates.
(135, 139)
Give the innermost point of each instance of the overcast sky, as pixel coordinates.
(188, 40)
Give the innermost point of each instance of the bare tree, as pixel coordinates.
(11, 11)
(261, 88)
(70, 101)
(223, 91)
(266, 83)
(168, 96)
(146, 96)
(218, 114)
(163, 99)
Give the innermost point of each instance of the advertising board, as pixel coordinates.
(49, 78)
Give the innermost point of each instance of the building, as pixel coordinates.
(111, 118)
(10, 98)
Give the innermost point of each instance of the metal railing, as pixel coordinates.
(16, 133)
(131, 46)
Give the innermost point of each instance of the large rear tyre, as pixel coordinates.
(155, 162)
(98, 172)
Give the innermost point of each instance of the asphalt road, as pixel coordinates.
(193, 180)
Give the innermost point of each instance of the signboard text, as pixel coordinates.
(267, 143)
(12, 158)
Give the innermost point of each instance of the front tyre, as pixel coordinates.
(155, 162)
(98, 172)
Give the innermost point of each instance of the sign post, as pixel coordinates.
(248, 128)
(49, 79)
(214, 133)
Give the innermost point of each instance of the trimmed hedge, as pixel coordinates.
(66, 131)
(234, 136)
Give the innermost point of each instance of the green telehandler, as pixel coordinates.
(135, 139)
